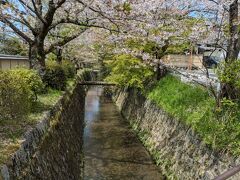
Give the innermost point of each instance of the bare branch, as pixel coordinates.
(15, 29)
(64, 41)
(35, 11)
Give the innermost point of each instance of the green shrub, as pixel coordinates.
(15, 95)
(67, 65)
(230, 73)
(51, 57)
(129, 71)
(31, 78)
(55, 76)
(68, 68)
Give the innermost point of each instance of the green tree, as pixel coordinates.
(128, 71)
(13, 46)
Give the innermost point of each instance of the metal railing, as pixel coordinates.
(231, 172)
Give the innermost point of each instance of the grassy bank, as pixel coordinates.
(11, 131)
(193, 106)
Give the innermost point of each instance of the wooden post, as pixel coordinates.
(190, 64)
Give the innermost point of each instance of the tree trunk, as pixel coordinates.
(159, 73)
(228, 90)
(234, 40)
(30, 55)
(59, 56)
(160, 53)
(38, 56)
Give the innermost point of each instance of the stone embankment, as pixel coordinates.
(53, 149)
(174, 145)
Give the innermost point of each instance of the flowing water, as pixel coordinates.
(111, 149)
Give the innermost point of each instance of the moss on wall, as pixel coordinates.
(53, 150)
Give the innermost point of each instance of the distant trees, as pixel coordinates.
(13, 46)
(152, 28)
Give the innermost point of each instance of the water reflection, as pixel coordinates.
(111, 149)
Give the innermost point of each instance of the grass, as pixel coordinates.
(11, 131)
(193, 106)
(45, 103)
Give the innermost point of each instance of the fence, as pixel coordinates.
(10, 62)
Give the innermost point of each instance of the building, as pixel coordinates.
(212, 54)
(211, 50)
(183, 61)
(205, 55)
(11, 61)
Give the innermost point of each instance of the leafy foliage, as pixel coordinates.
(51, 57)
(67, 65)
(230, 73)
(124, 7)
(178, 49)
(31, 79)
(13, 46)
(15, 96)
(68, 68)
(55, 76)
(193, 106)
(18, 92)
(127, 70)
(152, 47)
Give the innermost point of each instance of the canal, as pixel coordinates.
(111, 149)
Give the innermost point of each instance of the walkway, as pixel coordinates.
(111, 149)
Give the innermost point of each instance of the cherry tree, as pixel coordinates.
(34, 20)
(166, 23)
(158, 24)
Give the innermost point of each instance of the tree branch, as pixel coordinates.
(100, 12)
(15, 29)
(84, 24)
(35, 11)
(63, 41)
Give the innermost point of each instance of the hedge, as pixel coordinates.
(55, 76)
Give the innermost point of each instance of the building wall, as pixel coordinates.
(10, 64)
(183, 61)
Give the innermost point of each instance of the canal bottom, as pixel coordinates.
(111, 149)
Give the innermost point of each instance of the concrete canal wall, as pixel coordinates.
(53, 150)
(174, 146)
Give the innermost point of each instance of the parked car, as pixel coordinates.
(210, 61)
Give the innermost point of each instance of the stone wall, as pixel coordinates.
(174, 146)
(53, 150)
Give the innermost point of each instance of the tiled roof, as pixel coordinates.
(12, 57)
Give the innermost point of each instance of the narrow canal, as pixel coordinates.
(111, 149)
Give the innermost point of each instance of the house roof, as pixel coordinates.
(12, 57)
